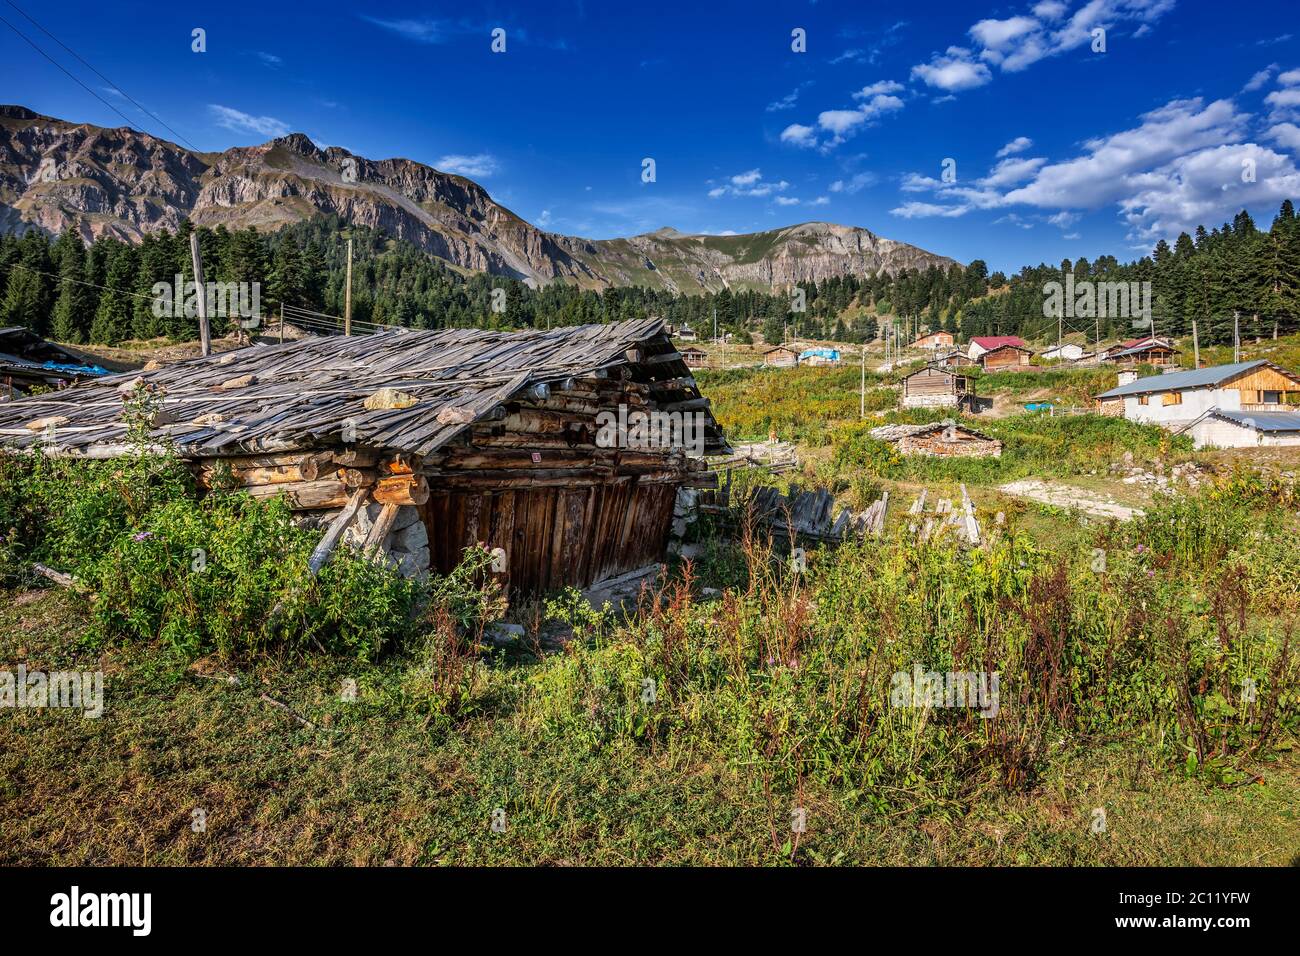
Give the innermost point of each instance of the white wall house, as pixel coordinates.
(1226, 429)
(1069, 352)
(1176, 400)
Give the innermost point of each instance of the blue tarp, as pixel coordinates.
(78, 369)
(830, 354)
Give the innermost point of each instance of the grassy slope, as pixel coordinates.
(373, 786)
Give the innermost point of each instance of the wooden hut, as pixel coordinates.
(935, 386)
(422, 444)
(781, 357)
(1006, 358)
(695, 357)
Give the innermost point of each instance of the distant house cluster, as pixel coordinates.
(29, 363)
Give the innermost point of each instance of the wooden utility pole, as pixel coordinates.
(347, 296)
(281, 323)
(1196, 346)
(205, 338)
(862, 390)
(1236, 336)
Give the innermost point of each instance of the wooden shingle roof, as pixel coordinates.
(304, 394)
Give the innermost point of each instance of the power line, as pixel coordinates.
(101, 75)
(61, 67)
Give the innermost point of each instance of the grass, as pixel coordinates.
(374, 788)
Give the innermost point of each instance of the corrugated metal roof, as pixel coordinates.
(1173, 381)
(994, 341)
(1262, 421)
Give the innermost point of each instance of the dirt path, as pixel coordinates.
(1066, 496)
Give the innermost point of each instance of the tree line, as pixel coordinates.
(103, 291)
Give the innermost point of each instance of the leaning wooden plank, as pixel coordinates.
(379, 530)
(334, 532)
(58, 577)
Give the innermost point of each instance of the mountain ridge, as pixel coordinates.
(118, 181)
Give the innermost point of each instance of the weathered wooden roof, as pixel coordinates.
(304, 394)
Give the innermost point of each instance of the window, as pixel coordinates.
(1144, 399)
(1271, 398)
(1172, 398)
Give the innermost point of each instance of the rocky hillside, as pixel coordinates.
(121, 182)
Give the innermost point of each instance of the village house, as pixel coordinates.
(1148, 352)
(562, 451)
(934, 386)
(781, 356)
(685, 334)
(1157, 344)
(1179, 398)
(1066, 352)
(28, 362)
(694, 357)
(955, 359)
(934, 341)
(986, 343)
(942, 439)
(1007, 357)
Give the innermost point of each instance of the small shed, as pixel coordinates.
(941, 439)
(563, 450)
(694, 357)
(781, 356)
(819, 356)
(934, 386)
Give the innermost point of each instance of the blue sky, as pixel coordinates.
(1058, 151)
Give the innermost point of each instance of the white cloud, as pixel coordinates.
(1050, 9)
(1205, 187)
(854, 184)
(1012, 170)
(1100, 176)
(1289, 78)
(270, 59)
(1284, 103)
(876, 89)
(955, 70)
(1286, 135)
(544, 219)
(788, 101)
(1260, 78)
(477, 166)
(999, 34)
(242, 122)
(1183, 165)
(1017, 145)
(921, 210)
(798, 135)
(786, 201)
(748, 183)
(840, 122)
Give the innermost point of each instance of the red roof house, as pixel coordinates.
(987, 343)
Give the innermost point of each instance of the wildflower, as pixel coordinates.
(142, 536)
